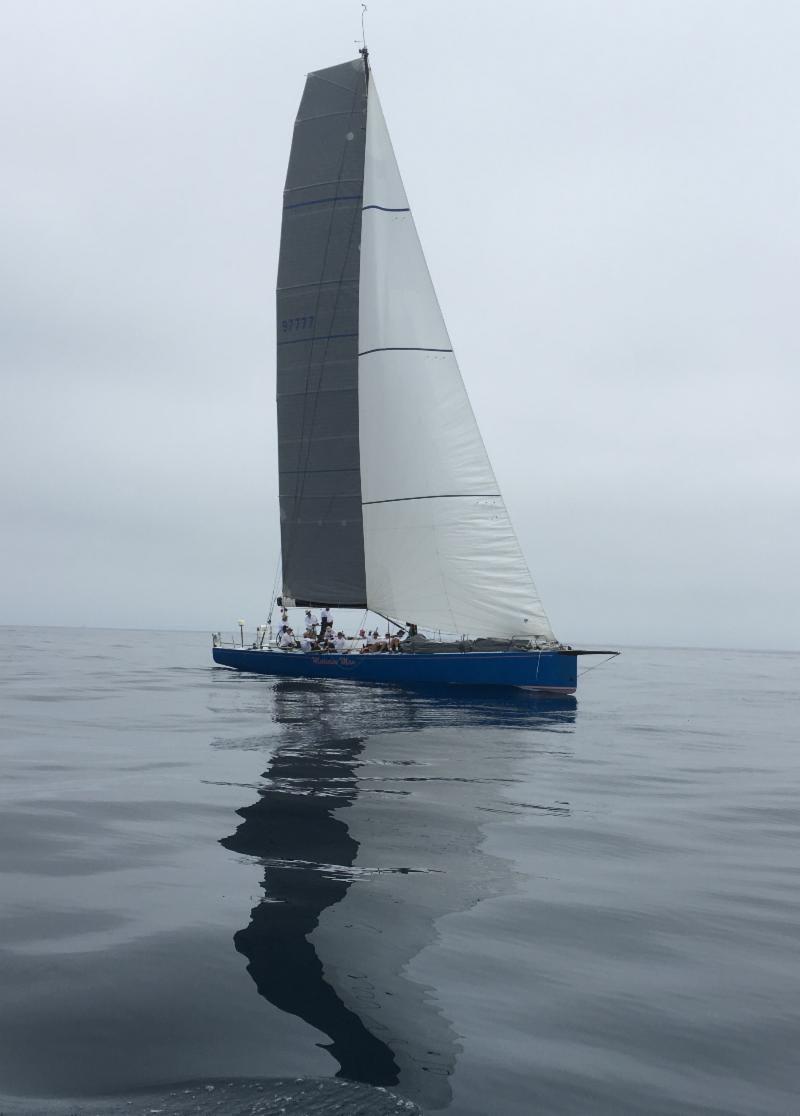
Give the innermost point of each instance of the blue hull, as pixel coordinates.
(551, 671)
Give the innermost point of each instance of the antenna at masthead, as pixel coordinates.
(364, 52)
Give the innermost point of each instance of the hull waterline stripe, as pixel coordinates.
(446, 496)
(404, 349)
(321, 201)
(387, 209)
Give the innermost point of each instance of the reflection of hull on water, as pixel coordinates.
(387, 821)
(550, 671)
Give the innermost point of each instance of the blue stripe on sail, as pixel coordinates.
(325, 337)
(404, 349)
(388, 209)
(321, 201)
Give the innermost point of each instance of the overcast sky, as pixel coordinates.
(608, 194)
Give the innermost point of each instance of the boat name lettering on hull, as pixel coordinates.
(333, 660)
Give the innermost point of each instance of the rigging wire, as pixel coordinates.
(596, 665)
(274, 588)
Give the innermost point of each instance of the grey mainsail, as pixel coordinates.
(322, 541)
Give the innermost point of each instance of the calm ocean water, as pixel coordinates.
(481, 904)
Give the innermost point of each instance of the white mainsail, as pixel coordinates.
(439, 547)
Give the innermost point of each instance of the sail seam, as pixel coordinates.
(445, 496)
(323, 115)
(324, 337)
(343, 469)
(316, 185)
(402, 349)
(388, 209)
(321, 201)
(308, 286)
(337, 85)
(287, 394)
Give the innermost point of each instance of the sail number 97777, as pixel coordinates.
(292, 325)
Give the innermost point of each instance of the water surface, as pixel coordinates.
(478, 902)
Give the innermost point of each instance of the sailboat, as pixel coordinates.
(388, 500)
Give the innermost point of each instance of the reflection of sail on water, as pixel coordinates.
(292, 828)
(367, 840)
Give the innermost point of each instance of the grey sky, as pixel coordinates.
(608, 195)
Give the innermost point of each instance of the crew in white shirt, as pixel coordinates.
(286, 642)
(306, 644)
(327, 621)
(339, 643)
(311, 621)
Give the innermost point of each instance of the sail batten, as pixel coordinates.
(404, 349)
(322, 201)
(441, 496)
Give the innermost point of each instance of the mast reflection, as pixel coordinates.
(384, 1028)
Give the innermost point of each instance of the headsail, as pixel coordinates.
(317, 320)
(439, 546)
